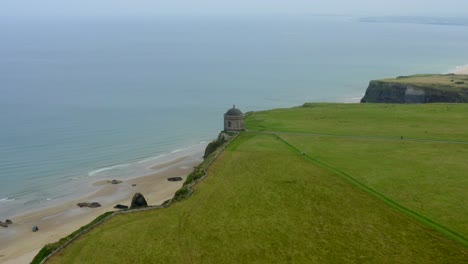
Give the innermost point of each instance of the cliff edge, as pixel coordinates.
(421, 88)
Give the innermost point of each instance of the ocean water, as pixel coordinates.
(83, 99)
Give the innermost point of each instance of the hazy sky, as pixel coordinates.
(150, 7)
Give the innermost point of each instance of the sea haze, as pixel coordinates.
(441, 21)
(86, 99)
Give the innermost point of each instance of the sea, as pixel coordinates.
(89, 98)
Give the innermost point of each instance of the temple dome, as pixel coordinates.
(234, 112)
(233, 120)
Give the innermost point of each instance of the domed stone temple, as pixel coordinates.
(233, 120)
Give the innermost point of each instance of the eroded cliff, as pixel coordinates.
(428, 88)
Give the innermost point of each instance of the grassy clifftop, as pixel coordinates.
(304, 188)
(421, 88)
(439, 81)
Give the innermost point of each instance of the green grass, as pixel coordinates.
(334, 185)
(426, 171)
(429, 178)
(49, 248)
(423, 121)
(438, 81)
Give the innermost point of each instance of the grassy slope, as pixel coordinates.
(264, 203)
(438, 81)
(428, 177)
(423, 121)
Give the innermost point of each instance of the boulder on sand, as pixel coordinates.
(35, 229)
(6, 223)
(115, 182)
(121, 206)
(174, 179)
(138, 200)
(90, 205)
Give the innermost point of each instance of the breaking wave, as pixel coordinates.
(110, 168)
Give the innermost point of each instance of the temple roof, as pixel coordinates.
(234, 112)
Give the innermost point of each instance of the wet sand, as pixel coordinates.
(18, 244)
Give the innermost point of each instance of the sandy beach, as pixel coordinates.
(18, 244)
(461, 70)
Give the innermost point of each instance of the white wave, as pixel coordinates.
(461, 66)
(7, 199)
(110, 168)
(152, 158)
(353, 99)
(177, 151)
(78, 178)
(135, 165)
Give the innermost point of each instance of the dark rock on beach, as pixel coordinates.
(35, 229)
(138, 200)
(6, 223)
(90, 205)
(174, 179)
(114, 181)
(121, 206)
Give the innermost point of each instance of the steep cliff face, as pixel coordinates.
(402, 90)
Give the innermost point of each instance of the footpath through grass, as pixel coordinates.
(265, 201)
(262, 202)
(424, 171)
(422, 121)
(428, 178)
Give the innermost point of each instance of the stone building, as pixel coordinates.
(233, 120)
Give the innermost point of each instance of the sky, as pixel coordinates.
(50, 8)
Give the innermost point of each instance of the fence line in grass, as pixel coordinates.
(154, 207)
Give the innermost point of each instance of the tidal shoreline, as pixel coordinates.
(461, 70)
(19, 244)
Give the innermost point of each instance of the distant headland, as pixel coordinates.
(423, 20)
(421, 88)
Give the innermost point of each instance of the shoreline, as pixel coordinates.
(77, 187)
(20, 244)
(461, 70)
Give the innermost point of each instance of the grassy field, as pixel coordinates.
(422, 121)
(439, 81)
(283, 198)
(426, 171)
(429, 178)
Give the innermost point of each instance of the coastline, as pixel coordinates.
(20, 244)
(461, 70)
